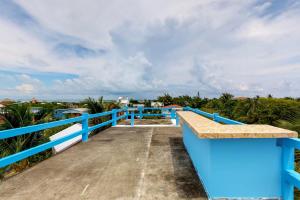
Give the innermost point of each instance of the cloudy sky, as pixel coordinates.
(66, 49)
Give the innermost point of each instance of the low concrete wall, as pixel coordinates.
(236, 168)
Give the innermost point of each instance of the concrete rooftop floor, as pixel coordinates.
(119, 163)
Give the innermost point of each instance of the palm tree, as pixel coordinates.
(96, 106)
(19, 115)
(166, 99)
(227, 104)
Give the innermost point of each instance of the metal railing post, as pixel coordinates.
(127, 113)
(114, 117)
(132, 118)
(288, 159)
(177, 120)
(172, 113)
(85, 127)
(215, 116)
(140, 109)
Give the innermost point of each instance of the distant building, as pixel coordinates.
(62, 113)
(123, 101)
(7, 101)
(34, 100)
(1, 111)
(173, 106)
(156, 104)
(138, 105)
(35, 110)
(240, 98)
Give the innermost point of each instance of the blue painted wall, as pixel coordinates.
(232, 168)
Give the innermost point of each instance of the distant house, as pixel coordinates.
(167, 108)
(7, 101)
(240, 98)
(34, 101)
(1, 111)
(62, 113)
(123, 101)
(138, 105)
(35, 110)
(156, 104)
(173, 106)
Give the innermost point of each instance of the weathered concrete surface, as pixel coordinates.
(147, 122)
(118, 163)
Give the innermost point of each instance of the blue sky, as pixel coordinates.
(64, 49)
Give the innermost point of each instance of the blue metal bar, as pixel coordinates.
(290, 142)
(154, 115)
(29, 129)
(215, 116)
(288, 156)
(29, 152)
(226, 120)
(114, 117)
(294, 178)
(99, 114)
(173, 114)
(85, 127)
(140, 109)
(151, 108)
(100, 125)
(200, 112)
(121, 117)
(132, 118)
(126, 112)
(177, 120)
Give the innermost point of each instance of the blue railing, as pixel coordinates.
(214, 116)
(83, 119)
(144, 112)
(290, 178)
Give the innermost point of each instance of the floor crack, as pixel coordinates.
(140, 189)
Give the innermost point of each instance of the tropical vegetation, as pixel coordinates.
(25, 114)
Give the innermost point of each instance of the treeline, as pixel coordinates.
(280, 112)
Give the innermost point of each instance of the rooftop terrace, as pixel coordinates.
(119, 163)
(188, 154)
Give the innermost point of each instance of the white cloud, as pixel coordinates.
(25, 88)
(151, 47)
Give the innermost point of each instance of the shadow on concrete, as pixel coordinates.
(187, 182)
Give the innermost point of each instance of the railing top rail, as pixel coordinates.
(34, 128)
(290, 142)
(227, 121)
(100, 114)
(151, 108)
(214, 116)
(206, 114)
